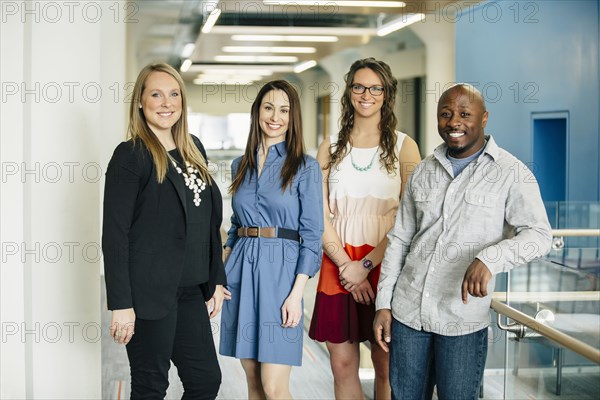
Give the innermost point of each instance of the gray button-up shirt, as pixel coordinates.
(492, 211)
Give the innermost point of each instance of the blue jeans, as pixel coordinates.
(419, 360)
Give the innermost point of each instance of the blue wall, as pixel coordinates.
(537, 56)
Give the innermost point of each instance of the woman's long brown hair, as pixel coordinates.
(294, 144)
(139, 130)
(387, 123)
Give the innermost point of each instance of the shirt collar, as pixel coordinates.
(280, 149)
(491, 148)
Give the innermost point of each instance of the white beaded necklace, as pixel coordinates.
(192, 180)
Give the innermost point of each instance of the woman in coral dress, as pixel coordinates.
(365, 168)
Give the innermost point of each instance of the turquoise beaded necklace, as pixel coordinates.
(368, 166)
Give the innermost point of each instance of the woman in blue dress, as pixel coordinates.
(274, 244)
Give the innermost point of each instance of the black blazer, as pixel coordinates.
(144, 233)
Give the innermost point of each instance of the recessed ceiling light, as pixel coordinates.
(226, 76)
(188, 49)
(283, 38)
(222, 82)
(399, 23)
(292, 30)
(304, 66)
(267, 49)
(186, 65)
(211, 20)
(235, 71)
(250, 59)
(260, 69)
(329, 3)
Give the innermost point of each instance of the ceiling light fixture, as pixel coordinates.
(262, 69)
(251, 59)
(292, 30)
(226, 76)
(266, 49)
(399, 23)
(188, 49)
(185, 65)
(211, 20)
(329, 3)
(235, 72)
(222, 82)
(283, 38)
(304, 66)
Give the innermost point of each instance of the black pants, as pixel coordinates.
(183, 336)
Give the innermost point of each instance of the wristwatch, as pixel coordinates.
(368, 264)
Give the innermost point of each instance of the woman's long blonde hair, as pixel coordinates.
(139, 130)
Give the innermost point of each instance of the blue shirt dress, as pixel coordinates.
(261, 271)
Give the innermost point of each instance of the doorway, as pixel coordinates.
(550, 154)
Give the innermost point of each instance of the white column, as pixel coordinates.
(62, 77)
(438, 36)
(337, 66)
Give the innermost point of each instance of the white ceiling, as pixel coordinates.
(165, 27)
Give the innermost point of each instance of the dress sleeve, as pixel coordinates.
(310, 196)
(120, 195)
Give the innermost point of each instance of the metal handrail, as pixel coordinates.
(547, 296)
(555, 335)
(575, 232)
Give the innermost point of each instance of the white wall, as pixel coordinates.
(62, 73)
(438, 37)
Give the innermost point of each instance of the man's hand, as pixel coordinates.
(382, 328)
(476, 280)
(363, 293)
(352, 274)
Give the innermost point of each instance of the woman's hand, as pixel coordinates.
(215, 303)
(352, 274)
(291, 311)
(122, 325)
(363, 293)
(226, 253)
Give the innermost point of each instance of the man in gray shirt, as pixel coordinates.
(470, 211)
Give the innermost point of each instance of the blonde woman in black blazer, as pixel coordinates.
(161, 244)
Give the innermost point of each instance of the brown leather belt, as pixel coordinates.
(268, 232)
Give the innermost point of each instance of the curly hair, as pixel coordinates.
(387, 124)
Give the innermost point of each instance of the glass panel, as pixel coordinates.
(568, 299)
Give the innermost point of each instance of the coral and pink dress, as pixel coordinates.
(364, 201)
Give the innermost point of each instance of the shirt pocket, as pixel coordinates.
(479, 211)
(425, 204)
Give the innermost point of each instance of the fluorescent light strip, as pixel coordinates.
(282, 38)
(292, 30)
(265, 49)
(236, 72)
(270, 68)
(250, 59)
(222, 77)
(185, 65)
(222, 82)
(304, 66)
(329, 3)
(399, 23)
(211, 20)
(188, 49)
